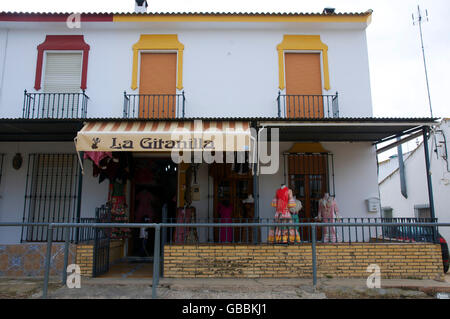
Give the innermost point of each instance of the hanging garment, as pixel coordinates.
(328, 211)
(96, 157)
(225, 213)
(144, 206)
(282, 202)
(116, 168)
(118, 205)
(185, 235)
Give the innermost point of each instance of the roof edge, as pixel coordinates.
(361, 17)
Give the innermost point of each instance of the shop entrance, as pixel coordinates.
(154, 185)
(233, 185)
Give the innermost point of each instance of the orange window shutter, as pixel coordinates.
(157, 85)
(303, 85)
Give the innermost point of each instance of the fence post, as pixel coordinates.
(313, 251)
(96, 238)
(164, 236)
(79, 194)
(156, 261)
(48, 260)
(66, 257)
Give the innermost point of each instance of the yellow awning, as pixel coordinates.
(164, 136)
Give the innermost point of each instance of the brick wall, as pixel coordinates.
(85, 255)
(85, 258)
(405, 261)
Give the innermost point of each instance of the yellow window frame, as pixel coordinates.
(158, 42)
(302, 42)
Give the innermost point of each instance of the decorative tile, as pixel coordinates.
(15, 261)
(34, 248)
(32, 262)
(29, 259)
(4, 261)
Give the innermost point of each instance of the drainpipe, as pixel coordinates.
(401, 167)
(428, 170)
(255, 185)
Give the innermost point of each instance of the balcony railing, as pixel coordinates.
(308, 106)
(54, 105)
(154, 106)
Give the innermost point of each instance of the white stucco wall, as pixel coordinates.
(354, 169)
(228, 70)
(416, 184)
(355, 174)
(388, 166)
(12, 185)
(355, 180)
(4, 35)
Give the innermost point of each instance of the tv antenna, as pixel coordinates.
(418, 20)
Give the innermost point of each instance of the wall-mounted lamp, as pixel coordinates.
(17, 161)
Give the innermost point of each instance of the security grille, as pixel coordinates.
(50, 194)
(310, 175)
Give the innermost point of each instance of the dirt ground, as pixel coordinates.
(118, 288)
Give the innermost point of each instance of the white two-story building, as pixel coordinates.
(90, 104)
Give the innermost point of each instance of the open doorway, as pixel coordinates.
(154, 185)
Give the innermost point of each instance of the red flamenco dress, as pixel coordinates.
(118, 206)
(282, 202)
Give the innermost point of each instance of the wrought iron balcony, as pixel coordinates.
(154, 106)
(307, 106)
(54, 105)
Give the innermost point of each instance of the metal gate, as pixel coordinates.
(101, 241)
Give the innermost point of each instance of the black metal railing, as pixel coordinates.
(154, 106)
(308, 106)
(55, 105)
(301, 234)
(51, 194)
(51, 227)
(86, 234)
(102, 237)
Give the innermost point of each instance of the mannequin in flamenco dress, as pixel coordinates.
(282, 202)
(225, 213)
(328, 212)
(295, 211)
